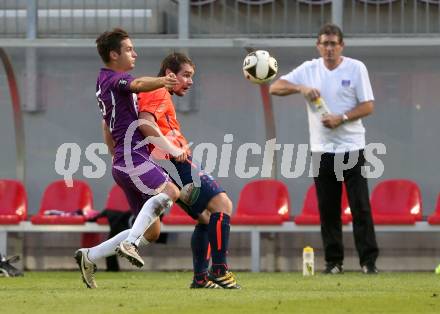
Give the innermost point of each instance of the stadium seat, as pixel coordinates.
(262, 202)
(116, 201)
(59, 197)
(395, 202)
(13, 202)
(177, 216)
(434, 219)
(310, 211)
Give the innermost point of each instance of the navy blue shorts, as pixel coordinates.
(196, 193)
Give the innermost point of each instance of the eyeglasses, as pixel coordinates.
(331, 44)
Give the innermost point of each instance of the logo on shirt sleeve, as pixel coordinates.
(122, 82)
(345, 83)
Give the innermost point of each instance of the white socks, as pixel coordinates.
(107, 248)
(141, 242)
(151, 210)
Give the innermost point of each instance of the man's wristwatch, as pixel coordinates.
(344, 118)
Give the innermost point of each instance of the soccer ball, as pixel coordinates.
(259, 67)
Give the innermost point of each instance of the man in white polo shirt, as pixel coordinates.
(338, 94)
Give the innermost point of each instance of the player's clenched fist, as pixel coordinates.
(169, 81)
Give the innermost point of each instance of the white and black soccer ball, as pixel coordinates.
(259, 67)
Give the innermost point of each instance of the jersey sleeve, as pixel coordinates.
(153, 102)
(296, 76)
(122, 82)
(364, 92)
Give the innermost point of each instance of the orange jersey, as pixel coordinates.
(160, 104)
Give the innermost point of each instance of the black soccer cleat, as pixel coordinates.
(370, 269)
(204, 284)
(226, 280)
(333, 269)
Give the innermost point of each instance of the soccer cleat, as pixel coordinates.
(6, 269)
(225, 280)
(204, 284)
(333, 269)
(370, 269)
(87, 268)
(130, 251)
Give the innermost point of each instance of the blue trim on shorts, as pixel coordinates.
(209, 187)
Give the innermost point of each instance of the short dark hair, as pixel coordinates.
(174, 62)
(331, 29)
(110, 41)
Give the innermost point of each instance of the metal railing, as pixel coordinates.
(217, 18)
(392, 17)
(242, 18)
(87, 18)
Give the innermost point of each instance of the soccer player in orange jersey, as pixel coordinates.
(201, 197)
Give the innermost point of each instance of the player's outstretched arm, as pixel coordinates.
(283, 88)
(151, 131)
(146, 83)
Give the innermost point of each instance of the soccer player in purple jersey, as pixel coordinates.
(147, 185)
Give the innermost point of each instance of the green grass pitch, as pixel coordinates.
(167, 292)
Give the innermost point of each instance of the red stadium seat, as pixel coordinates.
(396, 202)
(310, 211)
(434, 219)
(262, 202)
(177, 216)
(13, 202)
(116, 201)
(59, 197)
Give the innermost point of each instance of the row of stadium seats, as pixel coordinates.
(261, 202)
(393, 202)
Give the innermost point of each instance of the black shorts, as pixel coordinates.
(201, 187)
